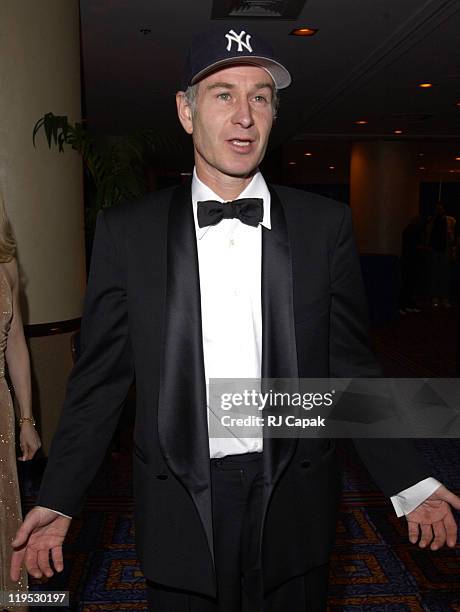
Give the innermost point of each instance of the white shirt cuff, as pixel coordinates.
(57, 512)
(407, 500)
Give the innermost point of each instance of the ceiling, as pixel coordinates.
(365, 62)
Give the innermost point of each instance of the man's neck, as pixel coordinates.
(226, 187)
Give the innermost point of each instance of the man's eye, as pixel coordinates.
(224, 96)
(261, 99)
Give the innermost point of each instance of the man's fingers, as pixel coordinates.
(16, 562)
(20, 545)
(44, 562)
(31, 563)
(427, 535)
(58, 560)
(451, 529)
(439, 535)
(413, 531)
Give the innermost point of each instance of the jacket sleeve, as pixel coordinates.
(98, 384)
(395, 463)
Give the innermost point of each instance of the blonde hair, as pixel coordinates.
(7, 241)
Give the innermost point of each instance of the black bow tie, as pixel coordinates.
(247, 210)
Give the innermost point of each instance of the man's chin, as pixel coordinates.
(241, 173)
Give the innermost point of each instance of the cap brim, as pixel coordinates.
(277, 71)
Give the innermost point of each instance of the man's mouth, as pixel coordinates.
(241, 143)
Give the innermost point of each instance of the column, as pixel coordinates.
(42, 189)
(384, 193)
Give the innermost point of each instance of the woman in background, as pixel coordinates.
(14, 355)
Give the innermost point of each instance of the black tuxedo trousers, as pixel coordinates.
(237, 497)
(142, 320)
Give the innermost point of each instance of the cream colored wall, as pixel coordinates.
(39, 73)
(51, 363)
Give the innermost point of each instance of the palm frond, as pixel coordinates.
(114, 163)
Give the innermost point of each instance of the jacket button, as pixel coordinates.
(305, 463)
(162, 476)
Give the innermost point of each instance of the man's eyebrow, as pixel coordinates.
(264, 85)
(224, 85)
(220, 84)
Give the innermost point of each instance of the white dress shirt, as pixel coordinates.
(230, 263)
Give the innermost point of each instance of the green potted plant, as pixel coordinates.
(115, 164)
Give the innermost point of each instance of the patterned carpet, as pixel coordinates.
(373, 568)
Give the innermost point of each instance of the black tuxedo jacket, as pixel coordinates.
(142, 319)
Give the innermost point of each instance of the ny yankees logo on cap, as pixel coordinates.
(232, 36)
(223, 46)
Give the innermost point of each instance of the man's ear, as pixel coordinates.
(184, 112)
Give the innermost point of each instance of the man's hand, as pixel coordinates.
(43, 531)
(433, 520)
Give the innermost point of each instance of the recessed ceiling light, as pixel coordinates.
(361, 122)
(292, 163)
(331, 167)
(422, 168)
(457, 158)
(421, 154)
(303, 32)
(457, 104)
(425, 85)
(308, 154)
(398, 132)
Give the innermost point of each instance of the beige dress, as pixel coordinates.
(10, 504)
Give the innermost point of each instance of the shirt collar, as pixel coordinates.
(257, 188)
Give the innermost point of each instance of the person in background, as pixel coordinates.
(411, 245)
(440, 241)
(15, 356)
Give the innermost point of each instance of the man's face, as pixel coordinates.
(232, 121)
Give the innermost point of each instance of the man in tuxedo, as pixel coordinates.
(225, 277)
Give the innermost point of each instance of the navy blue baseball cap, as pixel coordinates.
(214, 49)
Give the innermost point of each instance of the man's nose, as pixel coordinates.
(243, 114)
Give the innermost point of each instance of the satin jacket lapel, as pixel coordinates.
(279, 354)
(182, 415)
